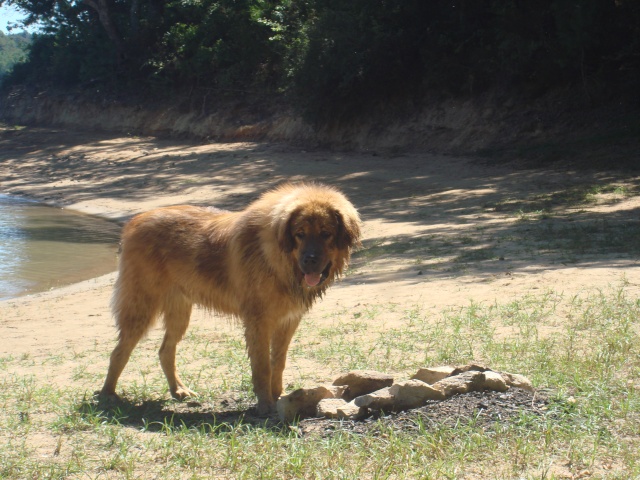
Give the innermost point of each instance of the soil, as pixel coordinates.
(440, 232)
(483, 409)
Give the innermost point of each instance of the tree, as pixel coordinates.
(334, 59)
(103, 10)
(13, 49)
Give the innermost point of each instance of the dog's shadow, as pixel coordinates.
(163, 415)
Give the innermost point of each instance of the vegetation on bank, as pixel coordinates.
(13, 49)
(333, 59)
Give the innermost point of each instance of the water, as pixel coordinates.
(43, 247)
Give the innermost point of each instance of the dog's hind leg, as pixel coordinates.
(135, 312)
(133, 325)
(177, 311)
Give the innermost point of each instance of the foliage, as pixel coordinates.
(213, 44)
(12, 50)
(335, 59)
(362, 52)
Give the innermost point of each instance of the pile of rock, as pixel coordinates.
(356, 394)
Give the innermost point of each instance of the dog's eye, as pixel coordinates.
(325, 235)
(300, 235)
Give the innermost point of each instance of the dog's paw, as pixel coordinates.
(265, 408)
(182, 393)
(106, 396)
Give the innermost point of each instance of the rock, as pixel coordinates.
(518, 381)
(301, 403)
(350, 411)
(432, 375)
(379, 400)
(328, 407)
(336, 390)
(470, 381)
(494, 381)
(511, 379)
(354, 394)
(362, 382)
(414, 394)
(472, 367)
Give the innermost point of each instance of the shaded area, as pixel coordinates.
(491, 219)
(157, 415)
(334, 62)
(612, 142)
(533, 245)
(478, 409)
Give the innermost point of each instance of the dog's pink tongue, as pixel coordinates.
(312, 279)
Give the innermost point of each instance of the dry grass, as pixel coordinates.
(587, 359)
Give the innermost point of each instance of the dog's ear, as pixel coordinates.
(348, 228)
(283, 232)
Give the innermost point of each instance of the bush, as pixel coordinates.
(337, 60)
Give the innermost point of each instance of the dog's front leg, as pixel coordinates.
(258, 337)
(279, 346)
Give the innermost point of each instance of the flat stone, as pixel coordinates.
(328, 407)
(336, 390)
(379, 400)
(471, 367)
(470, 381)
(362, 382)
(518, 381)
(301, 403)
(432, 375)
(414, 394)
(351, 411)
(494, 381)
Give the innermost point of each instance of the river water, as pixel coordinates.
(44, 247)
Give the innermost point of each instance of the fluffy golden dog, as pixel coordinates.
(265, 265)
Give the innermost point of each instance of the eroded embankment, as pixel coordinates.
(457, 126)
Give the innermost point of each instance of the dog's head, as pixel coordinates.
(319, 232)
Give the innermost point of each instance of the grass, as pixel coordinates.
(584, 351)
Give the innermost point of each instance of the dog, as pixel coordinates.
(265, 265)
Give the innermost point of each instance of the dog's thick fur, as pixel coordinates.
(265, 265)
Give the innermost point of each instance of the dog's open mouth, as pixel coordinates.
(315, 279)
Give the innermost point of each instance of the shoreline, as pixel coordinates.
(440, 231)
(35, 282)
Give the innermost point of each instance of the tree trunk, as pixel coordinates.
(101, 7)
(134, 18)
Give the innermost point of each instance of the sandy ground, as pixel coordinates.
(440, 232)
